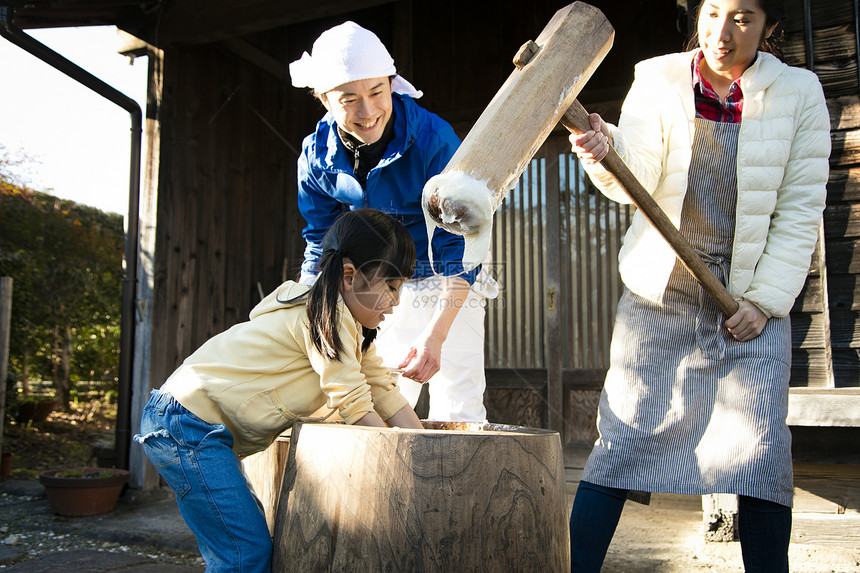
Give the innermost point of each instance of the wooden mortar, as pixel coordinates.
(452, 497)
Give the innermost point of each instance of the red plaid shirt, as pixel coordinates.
(708, 104)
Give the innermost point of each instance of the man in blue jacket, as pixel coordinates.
(377, 148)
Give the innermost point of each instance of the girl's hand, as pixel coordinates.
(592, 146)
(423, 360)
(747, 322)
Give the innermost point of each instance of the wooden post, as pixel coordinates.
(5, 322)
(720, 516)
(453, 497)
(143, 474)
(555, 398)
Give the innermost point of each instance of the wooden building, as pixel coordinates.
(219, 225)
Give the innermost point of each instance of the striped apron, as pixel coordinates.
(686, 408)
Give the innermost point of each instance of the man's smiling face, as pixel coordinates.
(361, 108)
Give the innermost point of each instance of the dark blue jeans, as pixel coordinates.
(764, 528)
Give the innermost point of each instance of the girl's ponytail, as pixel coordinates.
(322, 306)
(375, 243)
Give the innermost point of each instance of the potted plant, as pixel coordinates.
(83, 491)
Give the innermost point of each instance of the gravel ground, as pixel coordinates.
(666, 537)
(138, 530)
(145, 534)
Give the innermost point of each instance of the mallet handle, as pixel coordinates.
(576, 121)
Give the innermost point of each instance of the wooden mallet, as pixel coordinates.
(550, 72)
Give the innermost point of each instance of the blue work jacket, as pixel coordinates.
(422, 146)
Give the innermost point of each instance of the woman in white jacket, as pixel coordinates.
(733, 145)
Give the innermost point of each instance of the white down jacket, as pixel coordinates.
(782, 170)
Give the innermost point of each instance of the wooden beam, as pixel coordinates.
(837, 407)
(824, 407)
(51, 18)
(206, 21)
(536, 378)
(131, 46)
(583, 378)
(404, 35)
(257, 57)
(826, 488)
(516, 378)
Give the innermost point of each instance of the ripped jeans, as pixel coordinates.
(197, 462)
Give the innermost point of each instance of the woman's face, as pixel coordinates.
(730, 32)
(361, 108)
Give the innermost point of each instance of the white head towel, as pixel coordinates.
(344, 54)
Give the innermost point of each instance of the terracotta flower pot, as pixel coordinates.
(84, 494)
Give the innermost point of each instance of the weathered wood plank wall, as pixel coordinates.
(229, 229)
(826, 42)
(222, 213)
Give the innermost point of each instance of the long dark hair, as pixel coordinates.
(774, 11)
(377, 244)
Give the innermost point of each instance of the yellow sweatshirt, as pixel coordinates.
(259, 376)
